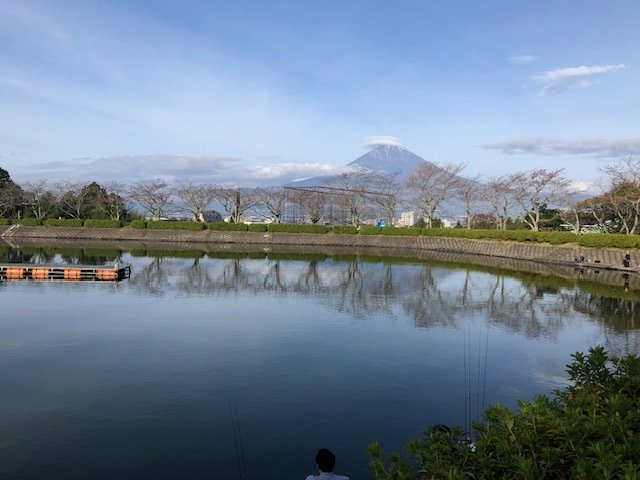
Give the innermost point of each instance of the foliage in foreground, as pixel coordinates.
(589, 430)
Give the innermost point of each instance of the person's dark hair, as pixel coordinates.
(326, 460)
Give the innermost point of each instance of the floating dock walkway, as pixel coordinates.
(22, 271)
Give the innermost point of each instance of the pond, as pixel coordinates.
(207, 366)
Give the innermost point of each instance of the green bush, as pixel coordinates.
(367, 230)
(603, 240)
(297, 228)
(64, 222)
(392, 231)
(345, 229)
(589, 430)
(98, 223)
(257, 227)
(5, 221)
(176, 225)
(227, 227)
(138, 224)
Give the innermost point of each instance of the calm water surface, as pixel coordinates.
(143, 379)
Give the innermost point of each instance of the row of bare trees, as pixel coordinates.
(433, 191)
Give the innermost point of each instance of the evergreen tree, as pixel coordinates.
(5, 178)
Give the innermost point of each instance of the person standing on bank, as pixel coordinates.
(325, 461)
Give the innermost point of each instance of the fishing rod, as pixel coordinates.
(237, 438)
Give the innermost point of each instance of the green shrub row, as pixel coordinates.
(600, 240)
(177, 225)
(257, 227)
(296, 228)
(96, 223)
(5, 221)
(228, 227)
(138, 224)
(64, 222)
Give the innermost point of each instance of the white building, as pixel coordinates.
(407, 219)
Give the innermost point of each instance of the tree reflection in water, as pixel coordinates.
(430, 295)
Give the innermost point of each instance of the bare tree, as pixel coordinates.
(39, 198)
(313, 203)
(500, 195)
(571, 213)
(624, 193)
(537, 189)
(384, 191)
(154, 196)
(236, 202)
(274, 200)
(116, 202)
(431, 185)
(470, 191)
(350, 193)
(196, 197)
(72, 199)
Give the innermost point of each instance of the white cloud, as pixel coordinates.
(523, 59)
(375, 141)
(296, 170)
(174, 168)
(555, 147)
(581, 187)
(563, 79)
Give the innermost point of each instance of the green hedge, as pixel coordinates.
(138, 224)
(603, 240)
(98, 223)
(295, 228)
(177, 225)
(257, 227)
(345, 229)
(228, 227)
(64, 222)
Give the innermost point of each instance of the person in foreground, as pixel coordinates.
(325, 461)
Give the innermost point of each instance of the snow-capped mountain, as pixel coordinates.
(389, 158)
(383, 158)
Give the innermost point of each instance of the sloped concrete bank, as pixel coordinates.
(563, 260)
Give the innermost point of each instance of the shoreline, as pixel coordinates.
(600, 265)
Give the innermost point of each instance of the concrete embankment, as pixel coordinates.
(535, 258)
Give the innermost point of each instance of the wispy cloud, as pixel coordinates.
(563, 79)
(173, 168)
(522, 59)
(556, 147)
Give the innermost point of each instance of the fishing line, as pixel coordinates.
(237, 438)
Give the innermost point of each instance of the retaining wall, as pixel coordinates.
(606, 258)
(558, 260)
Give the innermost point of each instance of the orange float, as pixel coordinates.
(72, 273)
(40, 273)
(14, 273)
(107, 275)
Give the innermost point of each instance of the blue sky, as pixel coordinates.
(252, 92)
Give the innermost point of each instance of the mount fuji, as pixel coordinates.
(383, 159)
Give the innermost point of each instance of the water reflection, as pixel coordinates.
(429, 295)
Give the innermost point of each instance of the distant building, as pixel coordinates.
(407, 219)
